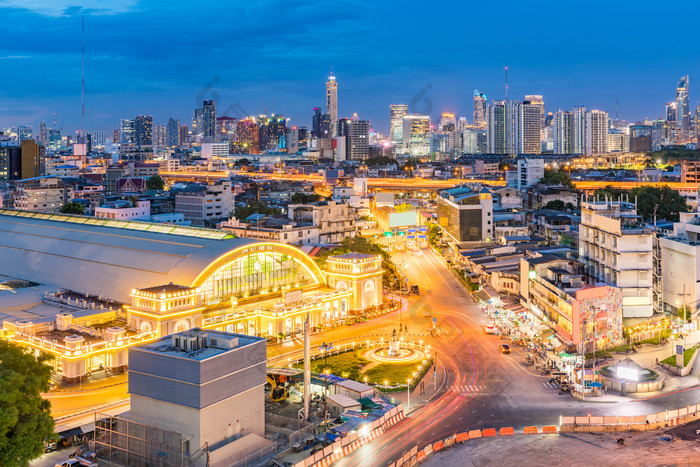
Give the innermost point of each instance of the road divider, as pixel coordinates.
(488, 432)
(507, 431)
(530, 430)
(665, 419)
(551, 429)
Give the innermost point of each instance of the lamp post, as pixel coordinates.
(408, 393)
(325, 348)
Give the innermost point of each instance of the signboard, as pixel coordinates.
(679, 349)
(292, 297)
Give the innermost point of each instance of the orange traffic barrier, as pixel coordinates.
(461, 437)
(437, 446)
(486, 432)
(531, 430)
(507, 431)
(549, 429)
(474, 434)
(421, 455)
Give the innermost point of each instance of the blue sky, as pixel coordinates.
(160, 57)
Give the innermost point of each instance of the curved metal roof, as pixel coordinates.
(108, 259)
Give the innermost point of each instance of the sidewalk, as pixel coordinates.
(434, 384)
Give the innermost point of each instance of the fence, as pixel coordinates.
(631, 422)
(295, 430)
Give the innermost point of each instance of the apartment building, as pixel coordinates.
(335, 221)
(204, 204)
(466, 214)
(42, 194)
(618, 250)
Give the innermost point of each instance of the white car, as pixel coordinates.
(489, 329)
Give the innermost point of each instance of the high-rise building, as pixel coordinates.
(184, 135)
(398, 112)
(54, 140)
(321, 124)
(172, 137)
(247, 135)
(208, 119)
(143, 130)
(479, 109)
(530, 120)
(578, 131)
(512, 126)
(496, 128)
(447, 122)
(198, 122)
(126, 131)
(272, 131)
(99, 138)
(563, 127)
(534, 99)
(356, 133)
(225, 129)
(10, 161)
(332, 102)
(43, 134)
(24, 132)
(683, 105)
(159, 135)
(596, 132)
(697, 124)
(416, 134)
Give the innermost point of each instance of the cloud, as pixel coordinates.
(71, 7)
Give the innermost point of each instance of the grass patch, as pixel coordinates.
(346, 365)
(393, 373)
(687, 355)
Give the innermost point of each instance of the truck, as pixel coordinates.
(77, 462)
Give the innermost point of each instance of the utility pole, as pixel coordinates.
(307, 367)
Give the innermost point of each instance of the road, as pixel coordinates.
(486, 389)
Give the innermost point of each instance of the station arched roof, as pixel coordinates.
(110, 258)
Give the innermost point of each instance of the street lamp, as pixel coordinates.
(408, 393)
(325, 348)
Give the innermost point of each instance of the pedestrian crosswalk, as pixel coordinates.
(466, 389)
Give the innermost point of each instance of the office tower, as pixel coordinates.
(126, 131)
(43, 134)
(54, 140)
(596, 132)
(115, 135)
(271, 132)
(10, 161)
(416, 134)
(143, 130)
(530, 120)
(225, 129)
(578, 130)
(332, 102)
(682, 104)
(292, 135)
(33, 159)
(479, 109)
(248, 136)
(321, 124)
(24, 132)
(496, 128)
(198, 122)
(208, 119)
(172, 137)
(397, 113)
(548, 119)
(512, 127)
(563, 127)
(184, 135)
(159, 135)
(99, 138)
(537, 100)
(447, 122)
(356, 134)
(697, 123)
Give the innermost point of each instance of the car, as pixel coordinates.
(504, 348)
(415, 289)
(489, 329)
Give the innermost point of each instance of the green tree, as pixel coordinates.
(241, 162)
(666, 201)
(155, 182)
(25, 417)
(684, 313)
(557, 205)
(72, 208)
(556, 177)
(305, 197)
(404, 207)
(412, 161)
(253, 207)
(380, 160)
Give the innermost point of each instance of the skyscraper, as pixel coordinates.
(479, 109)
(159, 135)
(143, 130)
(126, 131)
(172, 138)
(248, 136)
(530, 120)
(208, 119)
(682, 105)
(321, 124)
(578, 130)
(356, 133)
(512, 127)
(198, 122)
(416, 134)
(534, 99)
(43, 134)
(496, 128)
(596, 132)
(563, 126)
(332, 102)
(397, 113)
(272, 133)
(24, 132)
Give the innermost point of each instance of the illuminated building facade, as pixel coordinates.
(596, 132)
(416, 134)
(496, 128)
(397, 113)
(144, 281)
(480, 109)
(332, 102)
(466, 215)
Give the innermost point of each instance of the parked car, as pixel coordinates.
(504, 348)
(415, 289)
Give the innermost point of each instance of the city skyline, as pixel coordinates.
(166, 74)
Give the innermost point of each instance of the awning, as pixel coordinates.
(546, 334)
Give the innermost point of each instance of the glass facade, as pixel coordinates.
(258, 273)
